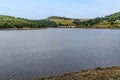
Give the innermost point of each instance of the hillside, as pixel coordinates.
(14, 22)
(47, 23)
(114, 17)
(109, 73)
(109, 21)
(64, 21)
(61, 20)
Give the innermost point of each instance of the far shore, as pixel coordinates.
(22, 28)
(100, 73)
(55, 28)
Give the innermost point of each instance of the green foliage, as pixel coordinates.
(13, 22)
(113, 17)
(48, 23)
(76, 22)
(57, 17)
(110, 21)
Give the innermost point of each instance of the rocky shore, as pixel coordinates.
(108, 73)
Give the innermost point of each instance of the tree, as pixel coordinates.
(76, 22)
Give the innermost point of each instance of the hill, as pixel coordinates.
(47, 23)
(63, 21)
(15, 22)
(58, 17)
(113, 17)
(109, 21)
(109, 73)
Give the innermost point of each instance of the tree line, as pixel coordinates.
(13, 22)
(109, 21)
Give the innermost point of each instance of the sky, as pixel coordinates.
(40, 9)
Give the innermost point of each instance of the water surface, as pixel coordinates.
(25, 54)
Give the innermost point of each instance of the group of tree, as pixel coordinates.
(109, 21)
(47, 23)
(14, 22)
(58, 17)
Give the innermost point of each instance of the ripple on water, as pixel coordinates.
(28, 54)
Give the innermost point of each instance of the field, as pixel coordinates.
(69, 22)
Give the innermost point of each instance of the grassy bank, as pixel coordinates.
(109, 73)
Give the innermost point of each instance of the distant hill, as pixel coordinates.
(15, 22)
(64, 21)
(61, 21)
(58, 17)
(109, 21)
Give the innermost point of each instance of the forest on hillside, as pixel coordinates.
(13, 22)
(109, 21)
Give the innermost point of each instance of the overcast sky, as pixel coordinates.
(39, 9)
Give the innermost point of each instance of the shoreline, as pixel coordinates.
(23, 29)
(100, 73)
(55, 28)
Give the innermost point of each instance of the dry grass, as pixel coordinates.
(69, 22)
(109, 73)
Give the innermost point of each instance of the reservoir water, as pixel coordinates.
(25, 54)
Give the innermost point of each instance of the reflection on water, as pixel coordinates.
(38, 53)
